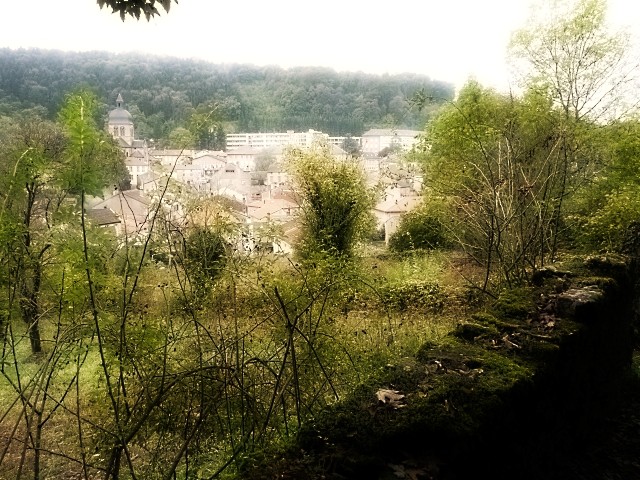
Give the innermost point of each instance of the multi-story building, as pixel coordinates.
(282, 139)
(275, 139)
(339, 141)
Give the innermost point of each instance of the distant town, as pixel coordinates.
(251, 175)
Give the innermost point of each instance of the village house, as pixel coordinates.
(370, 164)
(338, 153)
(389, 212)
(136, 165)
(287, 236)
(151, 181)
(277, 179)
(131, 207)
(209, 161)
(231, 182)
(277, 209)
(244, 157)
(105, 218)
(168, 158)
(191, 175)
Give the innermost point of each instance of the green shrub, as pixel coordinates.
(204, 256)
(335, 203)
(420, 229)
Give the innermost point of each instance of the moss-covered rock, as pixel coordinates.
(476, 331)
(501, 325)
(515, 304)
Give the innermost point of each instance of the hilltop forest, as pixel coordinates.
(163, 93)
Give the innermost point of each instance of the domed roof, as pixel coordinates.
(119, 115)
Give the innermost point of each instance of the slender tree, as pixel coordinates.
(497, 160)
(43, 176)
(28, 209)
(569, 51)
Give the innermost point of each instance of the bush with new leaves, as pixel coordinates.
(335, 202)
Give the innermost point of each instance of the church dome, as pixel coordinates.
(119, 115)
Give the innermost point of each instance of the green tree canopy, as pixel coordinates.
(206, 127)
(421, 229)
(163, 93)
(93, 161)
(46, 167)
(605, 208)
(499, 162)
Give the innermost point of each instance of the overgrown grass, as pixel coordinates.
(270, 346)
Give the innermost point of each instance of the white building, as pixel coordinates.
(339, 141)
(275, 139)
(231, 182)
(131, 207)
(136, 165)
(244, 157)
(377, 139)
(170, 157)
(209, 162)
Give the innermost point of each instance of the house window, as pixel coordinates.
(122, 131)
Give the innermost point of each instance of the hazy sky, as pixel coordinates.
(448, 40)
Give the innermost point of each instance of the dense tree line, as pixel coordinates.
(163, 93)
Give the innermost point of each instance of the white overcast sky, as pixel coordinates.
(449, 40)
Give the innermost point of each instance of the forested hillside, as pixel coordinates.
(162, 93)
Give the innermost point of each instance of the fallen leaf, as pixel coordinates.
(393, 398)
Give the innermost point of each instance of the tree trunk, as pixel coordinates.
(34, 338)
(29, 305)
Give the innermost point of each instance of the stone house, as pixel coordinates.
(389, 212)
(132, 207)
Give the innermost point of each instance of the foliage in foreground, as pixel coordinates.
(498, 162)
(513, 168)
(140, 377)
(604, 209)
